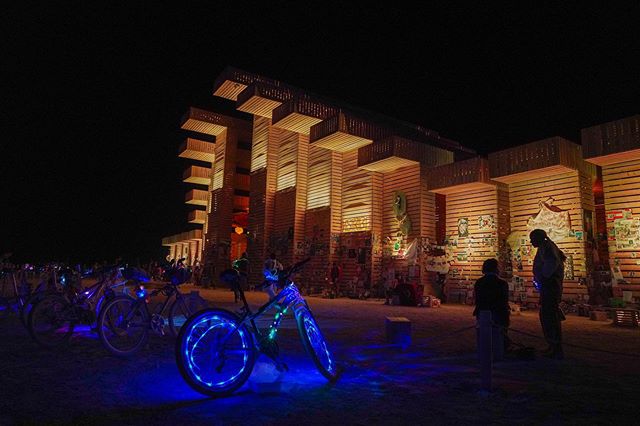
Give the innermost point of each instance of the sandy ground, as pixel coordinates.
(435, 381)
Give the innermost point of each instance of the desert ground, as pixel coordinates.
(434, 381)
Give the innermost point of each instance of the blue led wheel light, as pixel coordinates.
(318, 344)
(209, 348)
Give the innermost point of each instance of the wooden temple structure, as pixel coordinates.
(300, 175)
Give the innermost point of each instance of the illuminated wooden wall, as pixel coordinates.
(407, 180)
(263, 188)
(569, 191)
(470, 251)
(323, 222)
(361, 221)
(291, 197)
(621, 184)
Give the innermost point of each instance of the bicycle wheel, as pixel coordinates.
(123, 325)
(181, 309)
(28, 306)
(315, 344)
(51, 321)
(214, 355)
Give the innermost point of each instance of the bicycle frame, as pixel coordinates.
(288, 297)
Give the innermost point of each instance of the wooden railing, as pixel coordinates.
(461, 172)
(305, 106)
(208, 117)
(549, 152)
(197, 215)
(350, 124)
(611, 138)
(262, 90)
(191, 144)
(197, 172)
(396, 146)
(197, 195)
(243, 77)
(194, 234)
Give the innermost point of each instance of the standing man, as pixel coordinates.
(242, 266)
(548, 272)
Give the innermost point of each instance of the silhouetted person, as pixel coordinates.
(548, 271)
(492, 294)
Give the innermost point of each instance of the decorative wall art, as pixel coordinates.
(486, 222)
(463, 227)
(555, 221)
(627, 234)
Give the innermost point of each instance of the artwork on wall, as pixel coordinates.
(568, 268)
(627, 234)
(486, 222)
(555, 221)
(463, 227)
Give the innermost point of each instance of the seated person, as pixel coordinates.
(492, 294)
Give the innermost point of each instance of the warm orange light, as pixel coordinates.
(239, 230)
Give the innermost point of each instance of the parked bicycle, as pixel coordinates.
(49, 284)
(52, 319)
(216, 349)
(14, 291)
(125, 322)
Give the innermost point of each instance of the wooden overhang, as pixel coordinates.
(196, 149)
(197, 197)
(206, 122)
(612, 142)
(345, 132)
(198, 175)
(197, 216)
(394, 152)
(546, 157)
(467, 175)
(183, 237)
(261, 99)
(232, 81)
(300, 113)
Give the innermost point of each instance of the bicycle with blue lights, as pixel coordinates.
(124, 322)
(52, 319)
(216, 349)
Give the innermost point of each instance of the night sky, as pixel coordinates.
(93, 96)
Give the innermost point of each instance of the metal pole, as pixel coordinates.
(484, 349)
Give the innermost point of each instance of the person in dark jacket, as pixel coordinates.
(492, 294)
(548, 272)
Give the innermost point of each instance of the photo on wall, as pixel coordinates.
(463, 227)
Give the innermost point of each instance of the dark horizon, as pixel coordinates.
(94, 95)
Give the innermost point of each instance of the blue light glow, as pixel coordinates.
(204, 347)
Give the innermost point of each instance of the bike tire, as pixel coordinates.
(115, 324)
(181, 309)
(197, 338)
(315, 344)
(28, 306)
(51, 321)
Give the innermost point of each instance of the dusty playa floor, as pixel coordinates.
(435, 381)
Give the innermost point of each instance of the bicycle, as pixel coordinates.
(15, 299)
(216, 349)
(52, 319)
(48, 285)
(124, 322)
